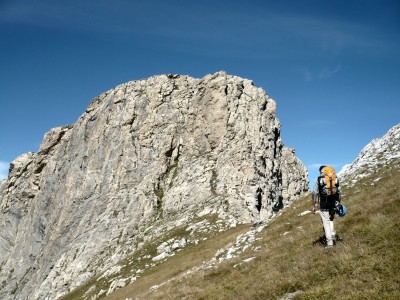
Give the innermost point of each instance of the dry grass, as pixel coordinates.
(183, 261)
(364, 265)
(189, 257)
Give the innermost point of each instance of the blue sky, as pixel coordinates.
(333, 67)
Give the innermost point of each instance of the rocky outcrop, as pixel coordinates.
(378, 153)
(143, 158)
(293, 172)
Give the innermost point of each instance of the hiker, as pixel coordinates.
(326, 189)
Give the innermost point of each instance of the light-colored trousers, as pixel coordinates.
(328, 227)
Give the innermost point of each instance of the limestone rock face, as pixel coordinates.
(293, 183)
(144, 157)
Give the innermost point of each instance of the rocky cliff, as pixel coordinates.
(376, 154)
(145, 157)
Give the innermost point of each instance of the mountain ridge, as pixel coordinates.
(377, 153)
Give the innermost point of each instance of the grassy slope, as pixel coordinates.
(191, 256)
(364, 265)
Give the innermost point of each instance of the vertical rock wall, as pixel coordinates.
(146, 153)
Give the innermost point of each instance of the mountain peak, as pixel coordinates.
(143, 158)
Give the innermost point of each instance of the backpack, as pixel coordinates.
(328, 182)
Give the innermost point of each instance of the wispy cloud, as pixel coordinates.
(218, 30)
(4, 166)
(306, 74)
(31, 13)
(324, 73)
(264, 27)
(335, 36)
(97, 16)
(327, 72)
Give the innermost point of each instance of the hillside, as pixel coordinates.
(286, 258)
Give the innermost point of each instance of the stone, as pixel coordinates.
(161, 256)
(116, 284)
(179, 244)
(306, 212)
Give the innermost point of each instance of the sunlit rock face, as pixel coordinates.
(144, 157)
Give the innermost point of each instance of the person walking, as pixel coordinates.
(326, 190)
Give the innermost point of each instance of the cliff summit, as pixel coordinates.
(143, 158)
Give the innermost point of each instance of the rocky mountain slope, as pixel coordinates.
(145, 158)
(378, 153)
(225, 260)
(286, 259)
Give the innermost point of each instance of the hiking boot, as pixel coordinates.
(329, 247)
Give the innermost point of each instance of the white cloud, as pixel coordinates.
(324, 73)
(306, 74)
(328, 72)
(4, 166)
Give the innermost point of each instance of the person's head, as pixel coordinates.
(321, 167)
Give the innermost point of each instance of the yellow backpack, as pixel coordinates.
(330, 184)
